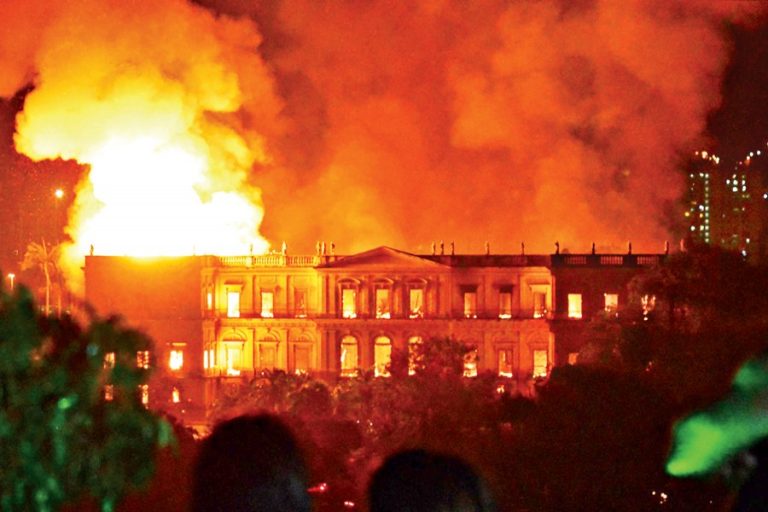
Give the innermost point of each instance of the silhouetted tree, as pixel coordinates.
(71, 420)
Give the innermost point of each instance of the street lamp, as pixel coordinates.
(11, 278)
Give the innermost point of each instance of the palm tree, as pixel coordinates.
(46, 258)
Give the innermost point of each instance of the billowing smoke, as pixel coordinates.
(504, 121)
(378, 122)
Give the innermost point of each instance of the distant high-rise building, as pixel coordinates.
(702, 171)
(728, 208)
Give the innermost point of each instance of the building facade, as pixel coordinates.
(221, 320)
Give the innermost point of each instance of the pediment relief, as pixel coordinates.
(384, 258)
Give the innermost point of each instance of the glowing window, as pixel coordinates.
(470, 304)
(233, 304)
(349, 303)
(470, 363)
(144, 390)
(413, 344)
(109, 360)
(212, 358)
(540, 363)
(300, 303)
(267, 305)
(176, 359)
(416, 303)
(349, 356)
(506, 363)
(267, 353)
(209, 300)
(573, 358)
(234, 358)
(382, 303)
(574, 305)
(175, 395)
(539, 304)
(301, 356)
(109, 392)
(142, 359)
(648, 303)
(611, 302)
(382, 356)
(505, 303)
(205, 359)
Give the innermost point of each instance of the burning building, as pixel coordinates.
(219, 320)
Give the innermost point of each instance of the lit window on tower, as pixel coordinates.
(175, 395)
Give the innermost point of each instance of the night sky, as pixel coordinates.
(30, 211)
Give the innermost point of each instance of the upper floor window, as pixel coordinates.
(209, 300)
(382, 303)
(416, 303)
(349, 356)
(382, 356)
(469, 296)
(144, 390)
(611, 302)
(299, 303)
(348, 303)
(142, 359)
(267, 304)
(233, 304)
(539, 304)
(175, 395)
(574, 305)
(505, 302)
(540, 363)
(176, 359)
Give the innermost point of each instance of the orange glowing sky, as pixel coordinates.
(368, 123)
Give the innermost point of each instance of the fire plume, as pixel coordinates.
(151, 97)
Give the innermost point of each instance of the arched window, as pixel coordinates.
(349, 356)
(413, 343)
(382, 356)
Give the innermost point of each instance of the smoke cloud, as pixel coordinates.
(400, 123)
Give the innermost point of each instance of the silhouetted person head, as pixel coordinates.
(250, 464)
(422, 481)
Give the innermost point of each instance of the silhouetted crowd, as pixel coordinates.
(254, 464)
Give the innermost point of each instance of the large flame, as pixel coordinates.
(152, 97)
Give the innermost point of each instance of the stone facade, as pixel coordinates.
(228, 318)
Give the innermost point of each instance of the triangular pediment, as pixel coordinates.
(383, 257)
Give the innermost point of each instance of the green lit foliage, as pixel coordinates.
(60, 440)
(706, 439)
